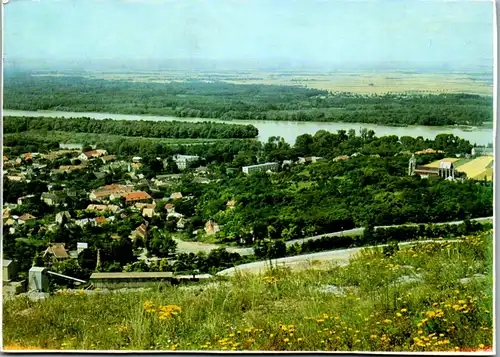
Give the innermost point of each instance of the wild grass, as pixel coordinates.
(412, 299)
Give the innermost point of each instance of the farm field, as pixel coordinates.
(399, 299)
(363, 82)
(478, 168)
(487, 173)
(436, 163)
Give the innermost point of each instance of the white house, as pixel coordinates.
(80, 247)
(183, 161)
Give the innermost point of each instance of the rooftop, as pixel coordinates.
(58, 250)
(138, 195)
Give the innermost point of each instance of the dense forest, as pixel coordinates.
(152, 129)
(221, 100)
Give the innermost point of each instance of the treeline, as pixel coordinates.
(278, 248)
(142, 128)
(229, 101)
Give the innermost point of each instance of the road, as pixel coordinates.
(341, 256)
(194, 247)
(361, 229)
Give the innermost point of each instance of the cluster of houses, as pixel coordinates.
(108, 200)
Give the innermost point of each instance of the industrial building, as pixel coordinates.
(268, 166)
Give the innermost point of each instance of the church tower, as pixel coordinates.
(411, 165)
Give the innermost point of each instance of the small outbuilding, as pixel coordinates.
(9, 270)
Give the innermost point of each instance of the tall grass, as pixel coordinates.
(411, 299)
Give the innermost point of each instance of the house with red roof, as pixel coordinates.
(137, 196)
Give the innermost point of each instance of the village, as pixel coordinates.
(128, 209)
(107, 206)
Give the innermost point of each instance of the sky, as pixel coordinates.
(455, 32)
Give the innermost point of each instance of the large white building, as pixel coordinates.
(272, 166)
(183, 161)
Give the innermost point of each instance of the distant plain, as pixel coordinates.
(362, 82)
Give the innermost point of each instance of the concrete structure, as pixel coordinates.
(268, 166)
(183, 161)
(37, 279)
(9, 270)
(80, 247)
(127, 280)
(444, 170)
(140, 279)
(303, 160)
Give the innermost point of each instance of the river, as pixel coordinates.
(289, 130)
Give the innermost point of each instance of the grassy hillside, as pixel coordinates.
(412, 299)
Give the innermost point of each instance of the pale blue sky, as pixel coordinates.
(458, 32)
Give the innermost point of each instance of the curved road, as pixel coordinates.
(340, 256)
(193, 247)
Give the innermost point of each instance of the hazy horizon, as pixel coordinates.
(230, 34)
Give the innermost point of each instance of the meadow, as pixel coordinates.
(478, 168)
(434, 296)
